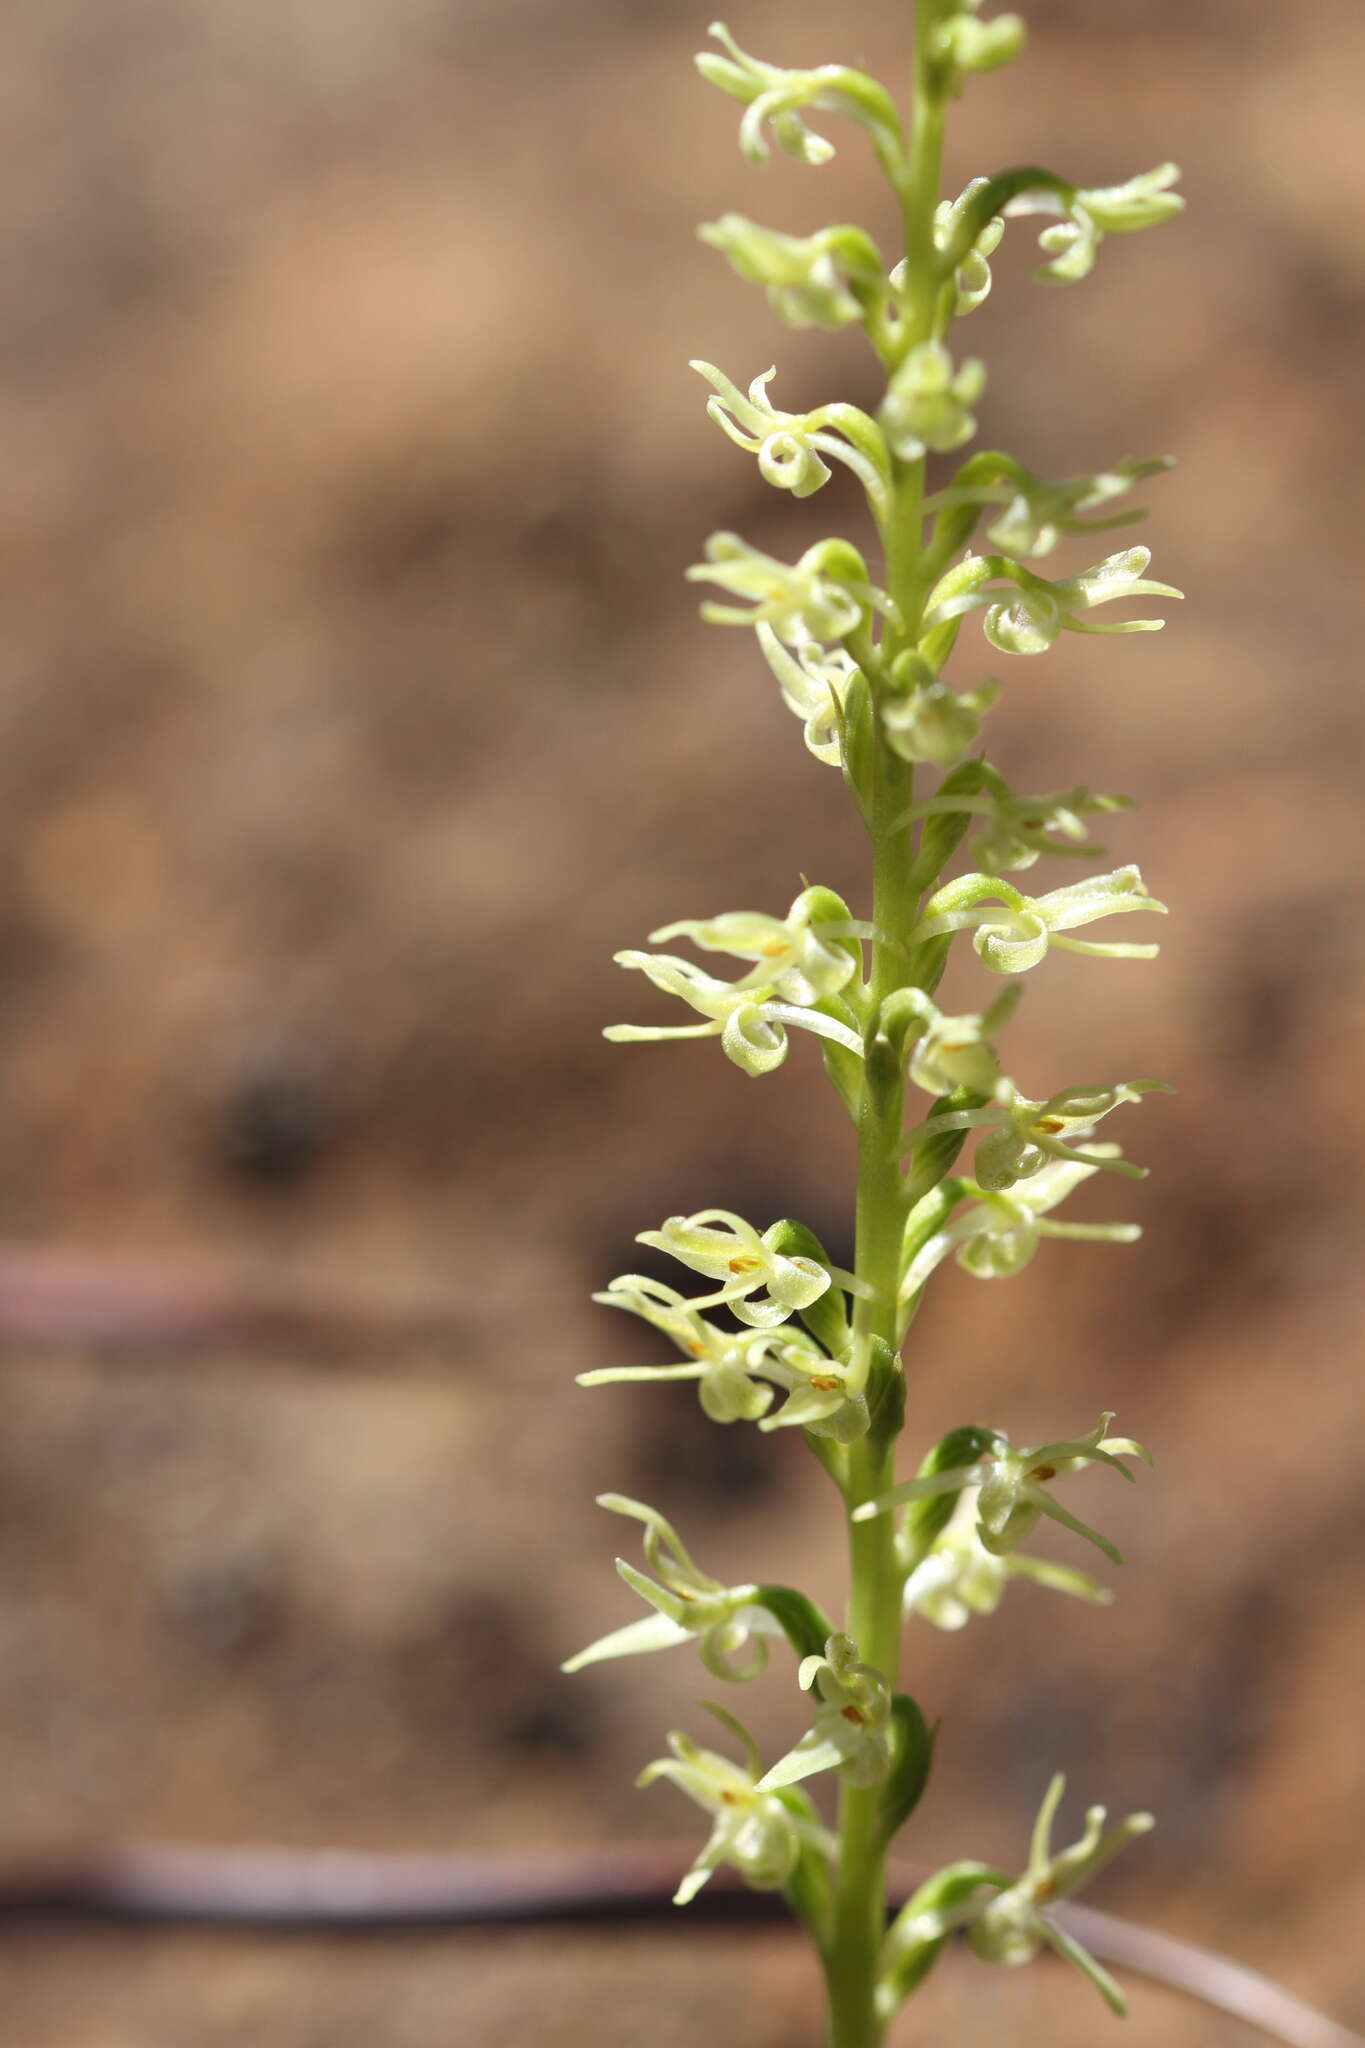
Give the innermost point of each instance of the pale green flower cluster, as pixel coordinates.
(868, 653)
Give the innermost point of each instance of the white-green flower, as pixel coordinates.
(722, 1362)
(824, 596)
(958, 1577)
(928, 402)
(999, 1235)
(1034, 612)
(809, 279)
(972, 281)
(956, 1052)
(759, 1832)
(790, 446)
(1020, 829)
(824, 1395)
(930, 722)
(1037, 514)
(814, 681)
(738, 1371)
(1008, 1922)
(1023, 1135)
(775, 98)
(759, 1284)
(747, 1016)
(1013, 932)
(793, 955)
(852, 1727)
(688, 1605)
(1012, 1487)
(968, 44)
(1089, 214)
(1015, 1924)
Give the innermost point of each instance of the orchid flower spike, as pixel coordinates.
(824, 596)
(775, 98)
(1031, 618)
(790, 446)
(999, 1235)
(1024, 1135)
(1014, 938)
(722, 1362)
(798, 957)
(1012, 1487)
(820, 280)
(958, 1577)
(1020, 829)
(761, 1832)
(747, 1016)
(814, 681)
(723, 1246)
(1088, 215)
(851, 1731)
(1008, 1922)
(688, 1605)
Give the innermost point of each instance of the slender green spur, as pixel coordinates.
(875, 650)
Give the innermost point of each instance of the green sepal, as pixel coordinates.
(826, 1318)
(858, 737)
(932, 1158)
(885, 1393)
(809, 1890)
(905, 1969)
(944, 832)
(802, 1623)
(925, 1520)
(912, 1758)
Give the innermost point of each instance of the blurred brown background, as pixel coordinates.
(354, 710)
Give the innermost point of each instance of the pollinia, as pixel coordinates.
(777, 1335)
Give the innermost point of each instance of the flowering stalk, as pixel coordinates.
(778, 1335)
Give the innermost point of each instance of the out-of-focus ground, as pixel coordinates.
(354, 710)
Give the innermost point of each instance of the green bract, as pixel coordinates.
(864, 643)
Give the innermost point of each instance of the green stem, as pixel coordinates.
(874, 1619)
